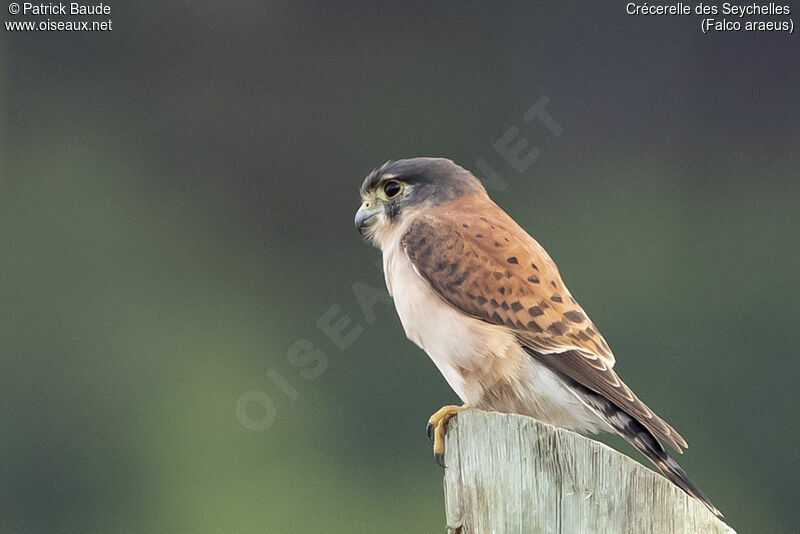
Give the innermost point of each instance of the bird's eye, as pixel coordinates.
(392, 188)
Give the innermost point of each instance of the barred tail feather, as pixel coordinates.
(644, 441)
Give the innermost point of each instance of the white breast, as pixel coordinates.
(456, 343)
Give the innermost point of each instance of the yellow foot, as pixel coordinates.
(437, 428)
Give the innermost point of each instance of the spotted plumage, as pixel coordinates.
(488, 305)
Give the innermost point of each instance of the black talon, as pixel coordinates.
(439, 459)
(429, 430)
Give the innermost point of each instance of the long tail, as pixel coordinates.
(643, 440)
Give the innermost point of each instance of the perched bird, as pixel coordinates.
(486, 302)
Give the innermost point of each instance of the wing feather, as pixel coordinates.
(487, 266)
(490, 268)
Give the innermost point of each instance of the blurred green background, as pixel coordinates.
(176, 212)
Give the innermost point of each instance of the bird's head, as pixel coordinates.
(397, 190)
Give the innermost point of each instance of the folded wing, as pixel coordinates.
(488, 267)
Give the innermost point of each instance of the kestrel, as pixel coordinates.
(486, 302)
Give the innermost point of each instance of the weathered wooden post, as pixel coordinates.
(513, 474)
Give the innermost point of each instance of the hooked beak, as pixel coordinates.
(364, 216)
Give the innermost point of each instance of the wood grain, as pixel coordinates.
(514, 474)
